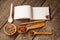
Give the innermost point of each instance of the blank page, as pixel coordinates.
(22, 12)
(40, 13)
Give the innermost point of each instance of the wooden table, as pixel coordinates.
(53, 25)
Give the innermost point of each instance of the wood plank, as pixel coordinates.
(4, 13)
(34, 2)
(5, 37)
(53, 4)
(46, 3)
(24, 37)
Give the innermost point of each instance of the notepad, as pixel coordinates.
(33, 13)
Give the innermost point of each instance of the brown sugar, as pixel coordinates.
(22, 29)
(31, 33)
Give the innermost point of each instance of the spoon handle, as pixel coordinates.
(11, 9)
(45, 33)
(36, 26)
(33, 22)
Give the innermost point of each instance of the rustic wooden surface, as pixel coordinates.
(53, 25)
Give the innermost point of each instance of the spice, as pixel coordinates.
(9, 29)
(22, 29)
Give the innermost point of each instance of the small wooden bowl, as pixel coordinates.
(9, 29)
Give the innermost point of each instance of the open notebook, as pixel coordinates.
(33, 13)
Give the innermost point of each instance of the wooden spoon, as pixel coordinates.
(36, 21)
(23, 29)
(32, 32)
(10, 28)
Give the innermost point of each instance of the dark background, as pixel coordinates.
(52, 26)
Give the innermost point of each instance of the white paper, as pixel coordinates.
(23, 11)
(40, 13)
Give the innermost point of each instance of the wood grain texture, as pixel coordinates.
(53, 25)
